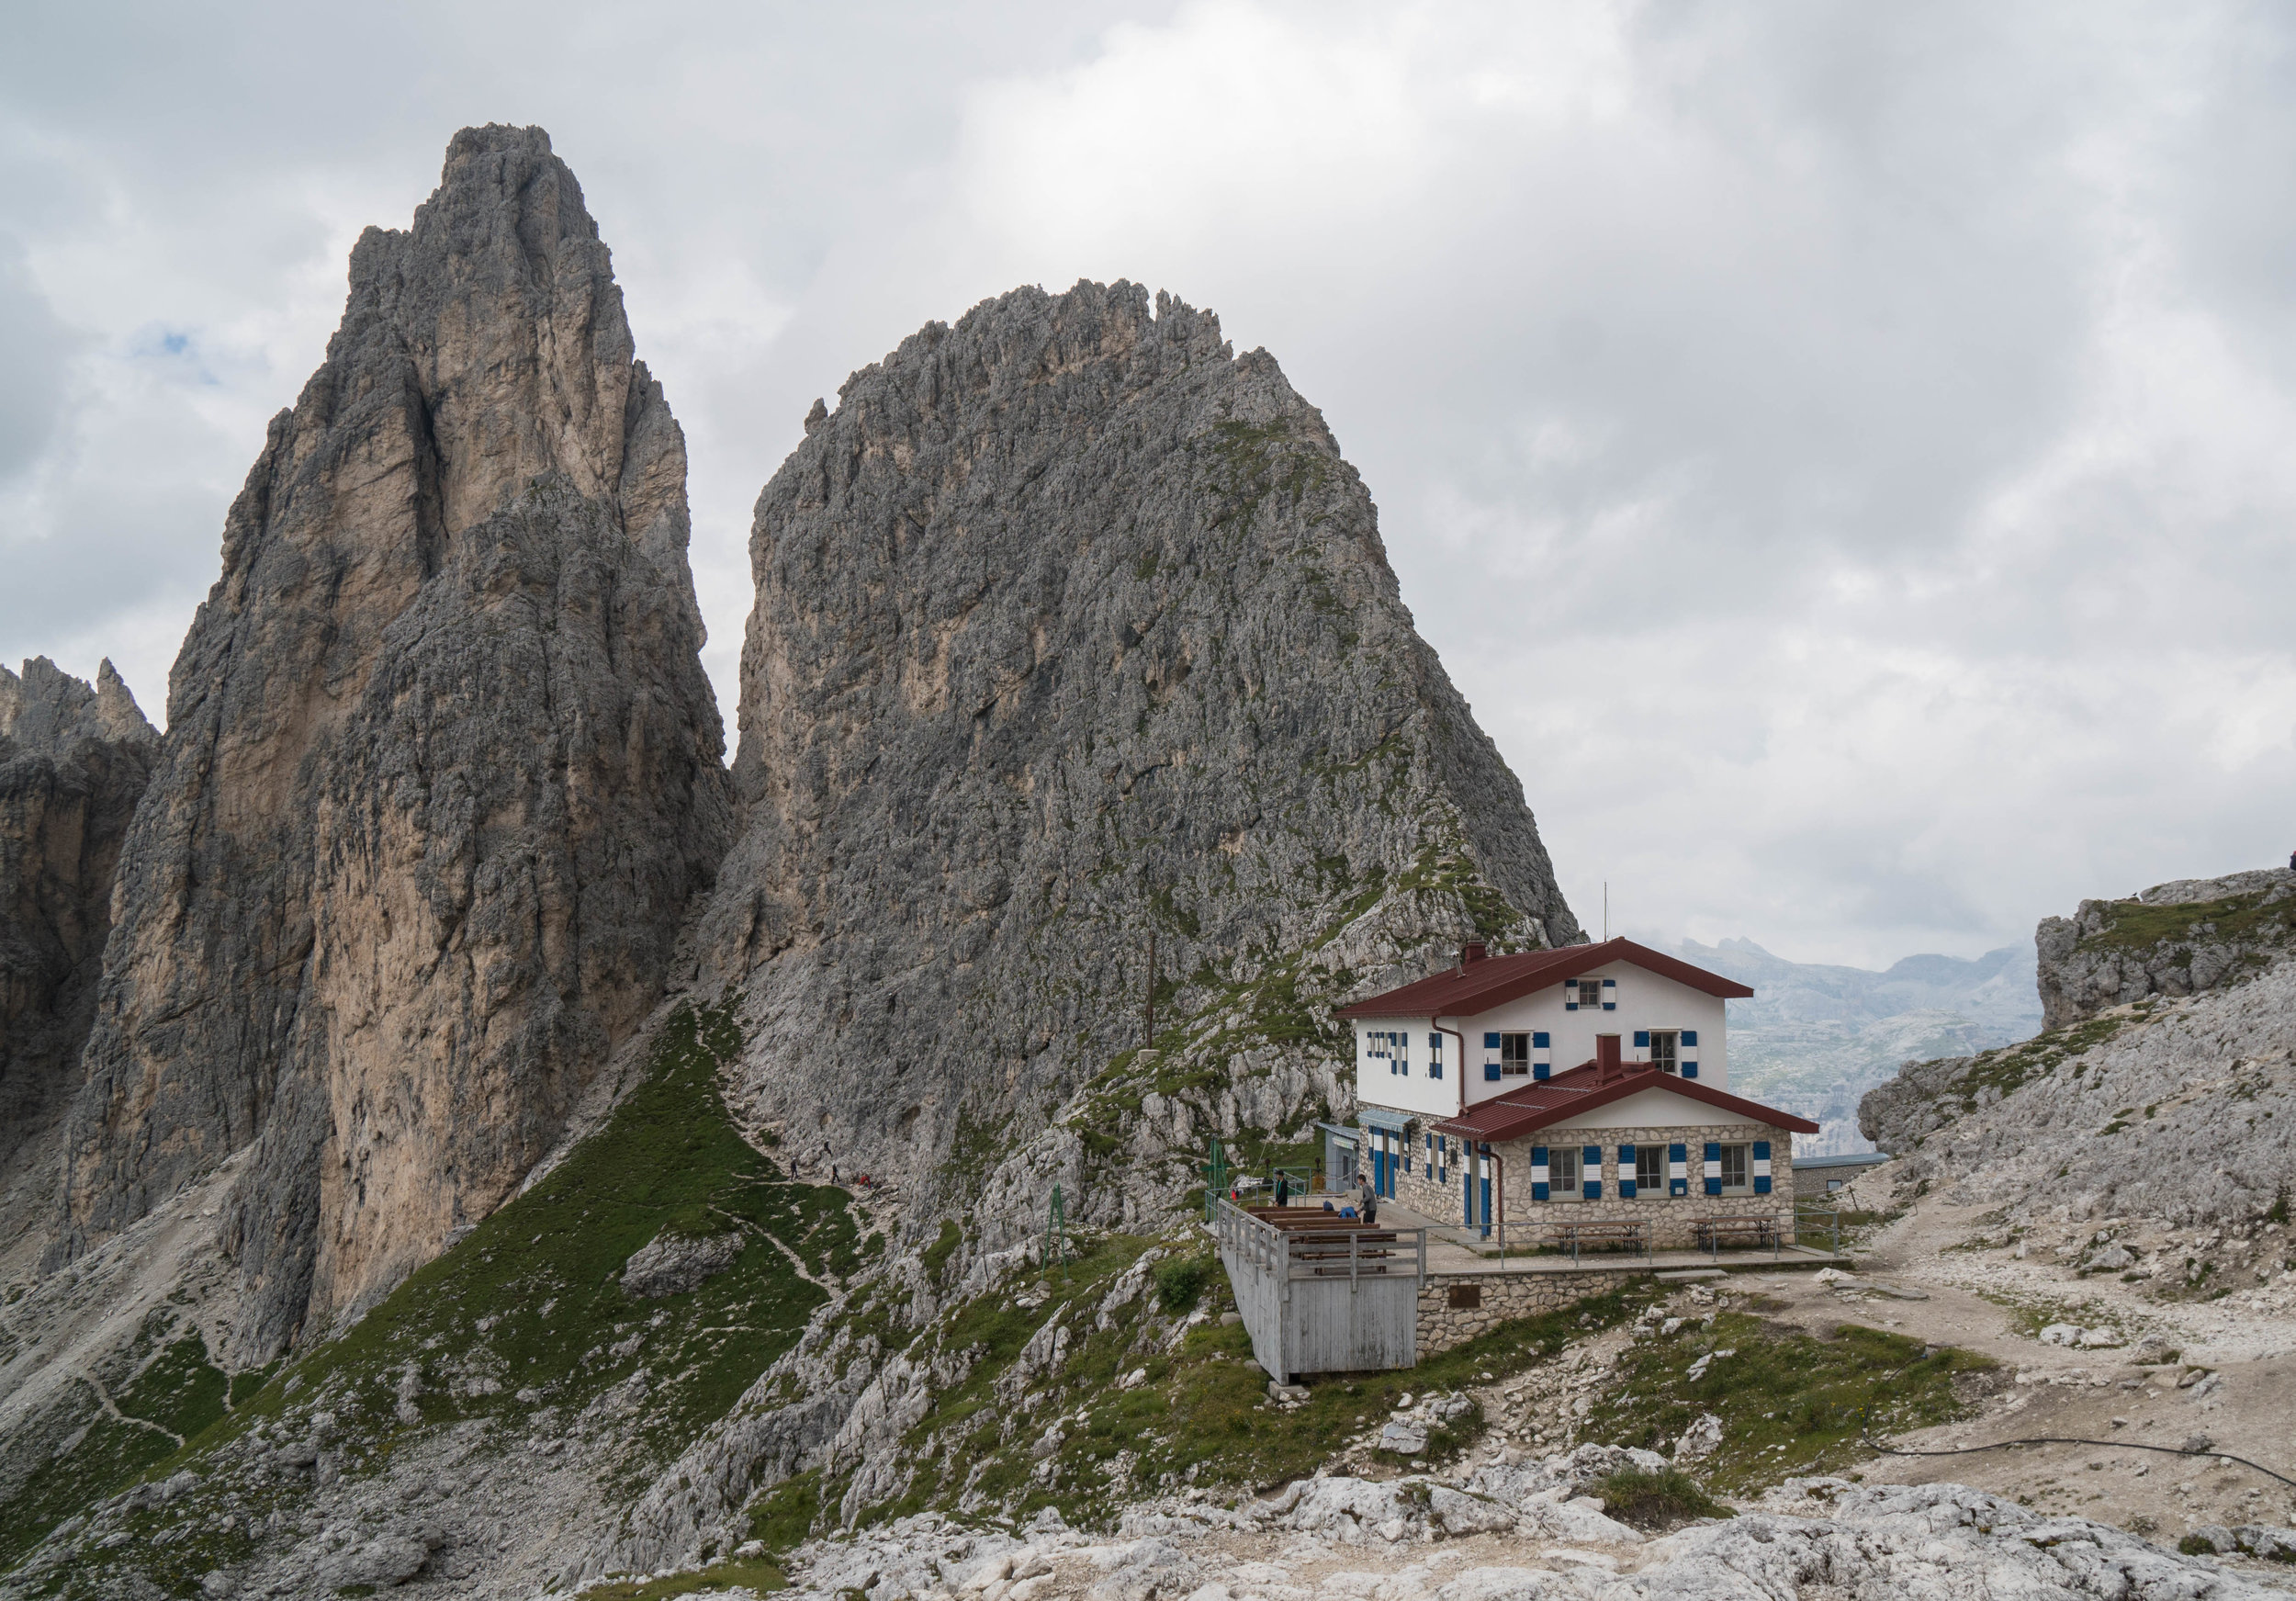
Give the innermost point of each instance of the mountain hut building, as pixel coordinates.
(1588, 1084)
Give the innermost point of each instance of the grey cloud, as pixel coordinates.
(1836, 449)
(34, 349)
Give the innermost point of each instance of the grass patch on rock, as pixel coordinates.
(1790, 1403)
(742, 1574)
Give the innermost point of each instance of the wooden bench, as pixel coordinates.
(1576, 1235)
(1758, 1230)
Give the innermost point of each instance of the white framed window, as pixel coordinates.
(1562, 1172)
(1649, 1170)
(1589, 992)
(1514, 1056)
(1666, 1050)
(1737, 1170)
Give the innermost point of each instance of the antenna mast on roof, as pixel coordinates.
(1606, 911)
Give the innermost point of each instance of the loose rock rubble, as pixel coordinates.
(1523, 1533)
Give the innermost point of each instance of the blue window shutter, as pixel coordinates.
(1435, 1041)
(1761, 1184)
(1690, 1036)
(1627, 1183)
(1610, 995)
(1762, 1159)
(1491, 1041)
(1538, 1164)
(1690, 1070)
(1761, 1150)
(1538, 1069)
(1571, 1002)
(1677, 1160)
(1590, 1162)
(1491, 1072)
(1642, 1039)
(1714, 1167)
(1538, 1042)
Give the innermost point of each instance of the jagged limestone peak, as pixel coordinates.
(1075, 631)
(442, 769)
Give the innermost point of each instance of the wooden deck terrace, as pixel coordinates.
(1535, 1247)
(1320, 1293)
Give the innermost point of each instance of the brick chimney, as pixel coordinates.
(1606, 1056)
(1471, 953)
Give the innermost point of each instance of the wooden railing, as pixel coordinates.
(1296, 1242)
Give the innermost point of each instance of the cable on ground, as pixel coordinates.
(1865, 1438)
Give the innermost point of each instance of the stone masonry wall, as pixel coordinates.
(1485, 1300)
(1670, 1217)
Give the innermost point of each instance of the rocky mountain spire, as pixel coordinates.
(1075, 643)
(441, 770)
(75, 758)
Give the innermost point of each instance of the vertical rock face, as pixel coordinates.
(1073, 630)
(441, 770)
(74, 760)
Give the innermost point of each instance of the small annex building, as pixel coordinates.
(1580, 1084)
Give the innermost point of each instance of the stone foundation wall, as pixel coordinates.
(1456, 1307)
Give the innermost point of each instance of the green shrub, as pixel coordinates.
(1180, 1282)
(1653, 1502)
(2197, 1545)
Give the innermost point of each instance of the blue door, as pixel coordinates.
(1486, 1184)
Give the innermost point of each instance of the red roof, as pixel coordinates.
(1538, 1104)
(1465, 991)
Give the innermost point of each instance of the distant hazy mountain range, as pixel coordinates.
(1816, 1038)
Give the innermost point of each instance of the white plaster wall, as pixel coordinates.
(1646, 1000)
(1654, 1109)
(1413, 1091)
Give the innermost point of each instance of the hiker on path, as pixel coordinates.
(1283, 1190)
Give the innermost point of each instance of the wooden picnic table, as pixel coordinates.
(1760, 1228)
(1575, 1235)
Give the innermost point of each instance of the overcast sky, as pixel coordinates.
(1842, 452)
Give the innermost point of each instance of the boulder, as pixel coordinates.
(671, 1264)
(1700, 1440)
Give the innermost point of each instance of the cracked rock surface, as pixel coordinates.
(1818, 1537)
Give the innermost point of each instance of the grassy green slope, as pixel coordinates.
(526, 1313)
